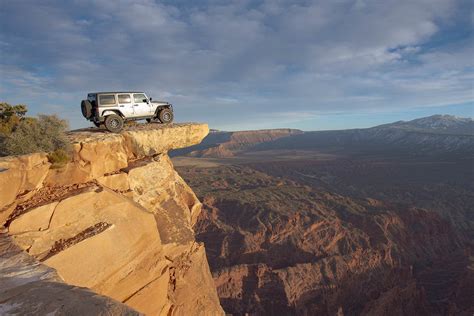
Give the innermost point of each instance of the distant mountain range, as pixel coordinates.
(437, 134)
(443, 124)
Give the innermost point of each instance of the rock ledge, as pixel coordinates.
(117, 220)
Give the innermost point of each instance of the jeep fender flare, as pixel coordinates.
(109, 112)
(159, 108)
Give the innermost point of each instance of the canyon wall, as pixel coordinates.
(280, 244)
(117, 220)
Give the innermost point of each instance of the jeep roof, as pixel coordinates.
(113, 92)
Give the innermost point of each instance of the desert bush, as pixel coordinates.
(21, 135)
(59, 158)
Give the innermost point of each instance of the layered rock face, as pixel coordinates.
(117, 220)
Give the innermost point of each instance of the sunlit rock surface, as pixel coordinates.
(117, 220)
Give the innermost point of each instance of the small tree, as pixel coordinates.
(10, 116)
(7, 110)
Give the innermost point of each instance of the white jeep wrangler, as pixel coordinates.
(112, 109)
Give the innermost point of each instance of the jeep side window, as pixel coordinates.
(138, 98)
(107, 99)
(124, 98)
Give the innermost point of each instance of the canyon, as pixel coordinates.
(111, 232)
(374, 221)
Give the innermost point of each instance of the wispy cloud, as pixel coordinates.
(222, 60)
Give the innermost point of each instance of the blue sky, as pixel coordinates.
(244, 64)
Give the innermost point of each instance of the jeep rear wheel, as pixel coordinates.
(165, 116)
(86, 108)
(114, 123)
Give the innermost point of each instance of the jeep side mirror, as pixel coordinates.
(151, 99)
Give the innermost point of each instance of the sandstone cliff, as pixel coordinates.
(117, 220)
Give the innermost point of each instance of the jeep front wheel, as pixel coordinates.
(165, 116)
(114, 123)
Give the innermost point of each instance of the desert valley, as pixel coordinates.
(374, 221)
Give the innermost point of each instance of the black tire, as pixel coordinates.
(149, 120)
(96, 124)
(86, 108)
(114, 123)
(166, 116)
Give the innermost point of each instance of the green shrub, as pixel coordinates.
(21, 135)
(58, 158)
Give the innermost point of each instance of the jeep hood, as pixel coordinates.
(160, 102)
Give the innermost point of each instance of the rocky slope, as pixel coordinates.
(117, 220)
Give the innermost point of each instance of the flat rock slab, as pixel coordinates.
(161, 137)
(28, 287)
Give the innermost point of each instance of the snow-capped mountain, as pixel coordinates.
(446, 124)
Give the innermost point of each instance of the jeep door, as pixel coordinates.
(141, 105)
(125, 104)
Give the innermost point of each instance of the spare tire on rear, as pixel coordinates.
(86, 108)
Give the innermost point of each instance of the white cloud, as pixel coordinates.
(253, 58)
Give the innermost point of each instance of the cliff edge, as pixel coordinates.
(117, 220)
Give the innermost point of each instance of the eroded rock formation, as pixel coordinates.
(280, 247)
(117, 220)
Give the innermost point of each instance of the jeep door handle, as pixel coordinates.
(135, 104)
